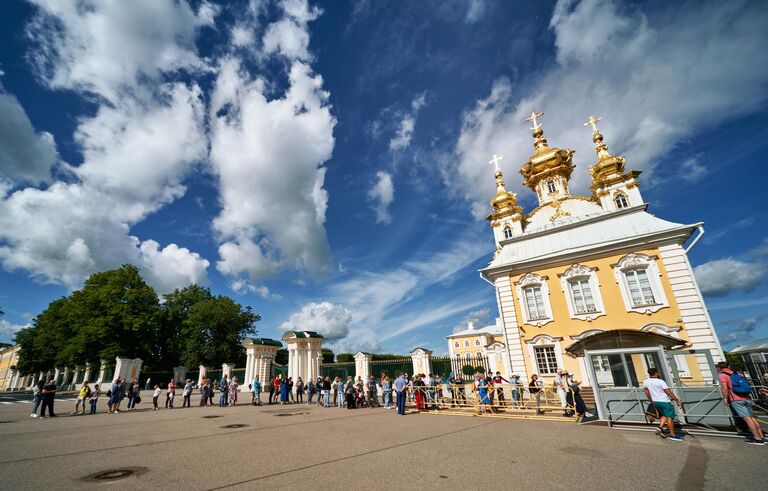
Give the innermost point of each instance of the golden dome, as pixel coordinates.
(608, 169)
(546, 161)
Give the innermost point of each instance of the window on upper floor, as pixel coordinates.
(551, 186)
(640, 289)
(581, 294)
(640, 283)
(621, 200)
(456, 344)
(507, 232)
(534, 303)
(466, 344)
(477, 342)
(533, 298)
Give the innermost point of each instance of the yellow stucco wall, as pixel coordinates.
(616, 314)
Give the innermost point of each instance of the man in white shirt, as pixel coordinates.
(658, 392)
(560, 386)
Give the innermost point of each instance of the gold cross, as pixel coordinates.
(533, 117)
(592, 121)
(495, 161)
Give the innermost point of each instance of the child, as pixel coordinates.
(95, 393)
(155, 396)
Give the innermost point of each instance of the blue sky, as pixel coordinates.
(326, 163)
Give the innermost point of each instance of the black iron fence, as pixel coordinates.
(391, 367)
(275, 370)
(341, 370)
(442, 365)
(469, 364)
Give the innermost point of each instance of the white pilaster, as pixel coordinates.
(510, 327)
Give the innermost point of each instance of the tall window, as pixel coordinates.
(581, 294)
(466, 344)
(534, 302)
(477, 342)
(546, 361)
(456, 344)
(621, 200)
(507, 232)
(551, 186)
(639, 287)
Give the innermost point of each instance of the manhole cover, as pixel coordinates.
(236, 425)
(211, 416)
(292, 414)
(115, 474)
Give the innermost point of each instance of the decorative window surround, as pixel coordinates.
(579, 272)
(636, 261)
(620, 200)
(530, 280)
(586, 334)
(542, 341)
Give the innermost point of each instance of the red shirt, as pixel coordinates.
(725, 381)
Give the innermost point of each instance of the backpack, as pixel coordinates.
(740, 385)
(87, 392)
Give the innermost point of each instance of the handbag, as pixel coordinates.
(137, 399)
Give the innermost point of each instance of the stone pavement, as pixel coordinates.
(306, 447)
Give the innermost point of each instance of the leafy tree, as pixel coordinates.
(387, 356)
(327, 355)
(281, 357)
(213, 331)
(345, 357)
(175, 311)
(468, 370)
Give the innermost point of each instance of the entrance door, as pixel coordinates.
(602, 366)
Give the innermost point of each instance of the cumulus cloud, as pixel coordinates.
(25, 154)
(692, 170)
(282, 225)
(656, 78)
(144, 138)
(722, 276)
(381, 195)
(330, 320)
(479, 318)
(407, 124)
(241, 286)
(8, 330)
(739, 331)
(475, 10)
(289, 36)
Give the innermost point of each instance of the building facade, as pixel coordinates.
(577, 267)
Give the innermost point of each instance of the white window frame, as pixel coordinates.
(466, 343)
(634, 261)
(507, 232)
(581, 272)
(477, 342)
(616, 196)
(456, 344)
(545, 341)
(534, 280)
(551, 186)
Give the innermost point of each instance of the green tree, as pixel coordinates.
(327, 355)
(345, 357)
(281, 357)
(213, 332)
(175, 311)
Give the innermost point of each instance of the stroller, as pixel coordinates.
(360, 399)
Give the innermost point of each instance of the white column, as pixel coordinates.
(422, 361)
(203, 373)
(362, 365)
(226, 369)
(87, 375)
(510, 327)
(56, 373)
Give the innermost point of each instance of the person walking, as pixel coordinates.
(386, 388)
(37, 397)
(94, 399)
(737, 395)
(187, 394)
(49, 394)
(401, 385)
(170, 394)
(82, 398)
(561, 389)
(658, 392)
(155, 396)
(535, 388)
(224, 389)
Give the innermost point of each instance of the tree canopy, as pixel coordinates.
(117, 313)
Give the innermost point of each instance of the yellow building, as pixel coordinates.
(580, 278)
(9, 357)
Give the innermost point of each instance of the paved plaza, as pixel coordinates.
(309, 447)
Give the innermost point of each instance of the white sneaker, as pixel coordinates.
(33, 415)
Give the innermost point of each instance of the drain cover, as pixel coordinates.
(211, 416)
(236, 425)
(115, 474)
(292, 414)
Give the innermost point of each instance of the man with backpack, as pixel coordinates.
(737, 394)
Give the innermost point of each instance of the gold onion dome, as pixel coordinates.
(546, 161)
(504, 202)
(609, 168)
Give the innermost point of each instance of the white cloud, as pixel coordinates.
(8, 330)
(172, 266)
(241, 286)
(692, 170)
(655, 80)
(382, 194)
(330, 320)
(241, 36)
(479, 318)
(25, 155)
(407, 124)
(739, 331)
(108, 47)
(722, 276)
(282, 225)
(289, 36)
(475, 10)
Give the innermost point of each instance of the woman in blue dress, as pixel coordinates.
(482, 393)
(283, 391)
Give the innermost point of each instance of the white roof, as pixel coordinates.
(758, 345)
(493, 330)
(587, 233)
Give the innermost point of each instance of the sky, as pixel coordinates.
(327, 162)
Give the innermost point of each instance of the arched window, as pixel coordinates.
(477, 342)
(456, 344)
(621, 200)
(533, 294)
(638, 278)
(507, 232)
(466, 344)
(551, 186)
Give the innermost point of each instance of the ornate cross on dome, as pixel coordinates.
(495, 161)
(592, 121)
(533, 117)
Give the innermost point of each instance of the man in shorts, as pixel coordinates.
(740, 403)
(658, 392)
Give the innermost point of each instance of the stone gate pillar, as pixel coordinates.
(422, 361)
(127, 368)
(305, 357)
(226, 369)
(260, 354)
(362, 365)
(180, 374)
(201, 375)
